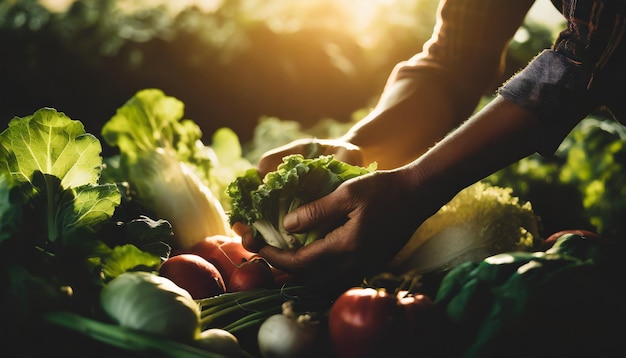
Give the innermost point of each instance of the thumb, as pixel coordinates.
(313, 215)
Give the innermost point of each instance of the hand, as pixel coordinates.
(376, 214)
(308, 147)
(311, 148)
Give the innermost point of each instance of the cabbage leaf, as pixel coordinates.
(59, 165)
(54, 216)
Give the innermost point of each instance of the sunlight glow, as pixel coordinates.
(370, 23)
(173, 6)
(365, 21)
(57, 5)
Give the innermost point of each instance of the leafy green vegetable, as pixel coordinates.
(51, 143)
(478, 222)
(61, 164)
(230, 163)
(52, 250)
(544, 304)
(582, 185)
(164, 159)
(264, 203)
(128, 257)
(150, 303)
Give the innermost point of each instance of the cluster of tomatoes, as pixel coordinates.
(220, 264)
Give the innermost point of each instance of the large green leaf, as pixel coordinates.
(147, 121)
(62, 164)
(50, 142)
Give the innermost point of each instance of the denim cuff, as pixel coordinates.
(554, 89)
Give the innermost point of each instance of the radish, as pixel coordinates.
(288, 334)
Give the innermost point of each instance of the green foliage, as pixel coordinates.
(521, 304)
(58, 165)
(172, 171)
(151, 122)
(273, 132)
(147, 302)
(581, 186)
(54, 250)
(10, 216)
(595, 160)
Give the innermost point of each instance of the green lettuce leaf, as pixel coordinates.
(151, 120)
(58, 164)
(128, 257)
(51, 143)
(263, 203)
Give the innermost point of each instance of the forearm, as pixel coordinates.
(437, 89)
(412, 115)
(497, 136)
(535, 110)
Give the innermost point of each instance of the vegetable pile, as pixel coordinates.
(133, 254)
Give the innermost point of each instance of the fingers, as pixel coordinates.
(311, 148)
(248, 236)
(271, 159)
(293, 261)
(297, 260)
(321, 262)
(324, 213)
(329, 212)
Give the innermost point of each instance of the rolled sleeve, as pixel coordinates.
(554, 89)
(585, 70)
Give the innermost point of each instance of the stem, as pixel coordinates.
(247, 324)
(51, 210)
(219, 306)
(228, 299)
(207, 319)
(248, 320)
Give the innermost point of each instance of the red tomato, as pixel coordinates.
(418, 310)
(251, 275)
(281, 277)
(361, 322)
(550, 240)
(206, 247)
(228, 257)
(368, 322)
(195, 274)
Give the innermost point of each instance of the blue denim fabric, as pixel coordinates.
(585, 70)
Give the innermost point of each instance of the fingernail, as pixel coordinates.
(290, 221)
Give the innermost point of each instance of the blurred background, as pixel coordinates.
(275, 70)
(230, 61)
